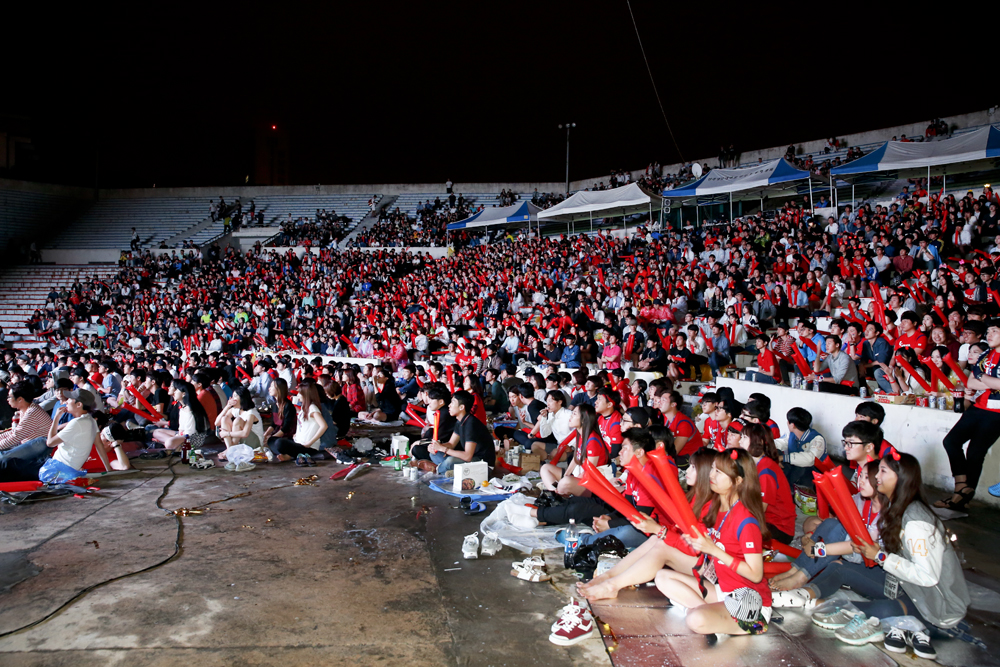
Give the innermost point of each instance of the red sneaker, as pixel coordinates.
(573, 629)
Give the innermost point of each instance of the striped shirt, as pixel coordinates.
(34, 423)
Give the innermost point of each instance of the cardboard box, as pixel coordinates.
(469, 476)
(529, 462)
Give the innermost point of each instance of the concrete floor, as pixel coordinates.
(286, 575)
(351, 573)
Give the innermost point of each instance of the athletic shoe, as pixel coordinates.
(491, 544)
(895, 640)
(833, 620)
(574, 608)
(922, 647)
(861, 631)
(797, 597)
(995, 490)
(573, 630)
(470, 547)
(302, 461)
(230, 466)
(246, 466)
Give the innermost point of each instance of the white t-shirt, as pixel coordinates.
(258, 425)
(308, 427)
(77, 441)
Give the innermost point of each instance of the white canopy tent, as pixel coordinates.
(586, 205)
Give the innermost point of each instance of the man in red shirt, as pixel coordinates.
(687, 439)
(769, 372)
(609, 420)
(910, 336)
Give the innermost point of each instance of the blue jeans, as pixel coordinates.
(831, 531)
(883, 381)
(868, 582)
(446, 463)
(757, 376)
(29, 449)
(715, 360)
(629, 536)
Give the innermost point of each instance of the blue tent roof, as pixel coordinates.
(979, 144)
(522, 211)
(757, 177)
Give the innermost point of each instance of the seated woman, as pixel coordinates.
(589, 444)
(192, 419)
(283, 420)
(926, 576)
(779, 506)
(309, 428)
(829, 541)
(740, 601)
(240, 422)
(664, 547)
(386, 397)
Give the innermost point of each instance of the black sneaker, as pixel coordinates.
(922, 647)
(895, 640)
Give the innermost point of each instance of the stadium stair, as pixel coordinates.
(369, 221)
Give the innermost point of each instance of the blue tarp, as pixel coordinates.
(758, 177)
(979, 144)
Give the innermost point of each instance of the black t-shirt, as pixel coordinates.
(472, 430)
(445, 428)
(340, 412)
(534, 408)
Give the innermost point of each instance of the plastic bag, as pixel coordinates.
(911, 623)
(238, 454)
(364, 445)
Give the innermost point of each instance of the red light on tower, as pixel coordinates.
(274, 127)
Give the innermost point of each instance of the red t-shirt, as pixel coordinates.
(641, 497)
(711, 427)
(775, 431)
(738, 533)
(596, 448)
(682, 427)
(766, 363)
(777, 495)
(916, 340)
(611, 430)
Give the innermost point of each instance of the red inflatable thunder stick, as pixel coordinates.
(664, 504)
(834, 486)
(822, 505)
(688, 523)
(561, 449)
(593, 479)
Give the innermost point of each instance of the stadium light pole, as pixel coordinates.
(567, 126)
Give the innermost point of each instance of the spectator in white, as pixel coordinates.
(73, 444)
(32, 425)
(284, 372)
(832, 228)
(511, 343)
(843, 377)
(802, 446)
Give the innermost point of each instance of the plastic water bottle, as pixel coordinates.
(572, 542)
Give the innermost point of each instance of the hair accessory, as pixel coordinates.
(734, 454)
(894, 453)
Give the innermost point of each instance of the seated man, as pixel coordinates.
(802, 447)
(440, 422)
(473, 439)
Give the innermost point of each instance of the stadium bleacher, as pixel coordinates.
(21, 212)
(24, 289)
(108, 223)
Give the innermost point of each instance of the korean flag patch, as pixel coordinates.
(749, 545)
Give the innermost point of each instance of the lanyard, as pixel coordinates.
(723, 522)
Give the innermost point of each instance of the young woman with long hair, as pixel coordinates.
(283, 421)
(779, 505)
(740, 602)
(589, 443)
(669, 550)
(309, 428)
(915, 572)
(240, 422)
(353, 391)
(191, 417)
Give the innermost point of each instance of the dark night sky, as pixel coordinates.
(420, 92)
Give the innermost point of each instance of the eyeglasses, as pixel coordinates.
(852, 443)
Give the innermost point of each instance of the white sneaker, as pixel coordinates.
(795, 598)
(470, 547)
(861, 631)
(491, 544)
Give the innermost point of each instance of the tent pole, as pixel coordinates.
(852, 196)
(811, 206)
(730, 207)
(928, 181)
(943, 184)
(591, 222)
(625, 222)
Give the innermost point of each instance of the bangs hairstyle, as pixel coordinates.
(742, 472)
(908, 491)
(701, 493)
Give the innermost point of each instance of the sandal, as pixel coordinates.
(529, 573)
(965, 497)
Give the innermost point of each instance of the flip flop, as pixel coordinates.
(475, 508)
